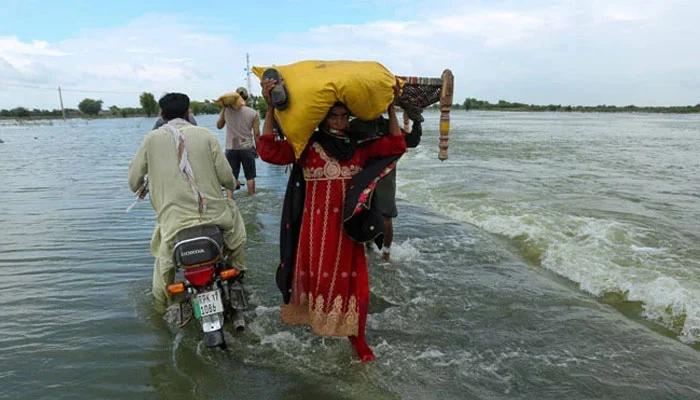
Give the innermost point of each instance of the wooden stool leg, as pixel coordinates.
(445, 107)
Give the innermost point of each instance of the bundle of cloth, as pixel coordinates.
(365, 87)
(231, 99)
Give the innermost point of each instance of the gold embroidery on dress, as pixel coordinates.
(340, 247)
(352, 316)
(326, 206)
(331, 170)
(334, 323)
(296, 314)
(309, 309)
(334, 315)
(318, 317)
(311, 226)
(321, 152)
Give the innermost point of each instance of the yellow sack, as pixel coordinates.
(365, 87)
(231, 99)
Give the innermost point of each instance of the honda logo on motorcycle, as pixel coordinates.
(193, 252)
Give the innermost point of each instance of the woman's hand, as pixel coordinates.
(266, 86)
(397, 93)
(397, 89)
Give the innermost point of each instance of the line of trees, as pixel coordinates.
(149, 107)
(502, 105)
(204, 107)
(92, 108)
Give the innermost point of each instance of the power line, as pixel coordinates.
(99, 91)
(25, 86)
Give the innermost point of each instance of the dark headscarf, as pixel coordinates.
(342, 148)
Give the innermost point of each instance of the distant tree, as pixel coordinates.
(148, 103)
(254, 100)
(20, 112)
(114, 111)
(261, 106)
(90, 106)
(196, 107)
(205, 107)
(131, 112)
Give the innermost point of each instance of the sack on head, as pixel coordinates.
(365, 87)
(231, 99)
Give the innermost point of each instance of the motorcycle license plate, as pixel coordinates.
(210, 303)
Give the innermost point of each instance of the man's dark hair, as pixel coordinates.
(243, 92)
(174, 105)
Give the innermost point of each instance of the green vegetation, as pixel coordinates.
(93, 108)
(149, 107)
(502, 105)
(260, 104)
(19, 112)
(90, 107)
(205, 107)
(148, 103)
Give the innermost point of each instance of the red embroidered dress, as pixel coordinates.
(330, 287)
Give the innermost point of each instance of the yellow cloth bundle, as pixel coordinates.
(365, 87)
(231, 99)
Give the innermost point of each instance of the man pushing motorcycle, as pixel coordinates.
(182, 168)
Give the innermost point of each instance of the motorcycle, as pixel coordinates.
(212, 291)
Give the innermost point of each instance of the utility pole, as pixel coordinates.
(60, 97)
(247, 71)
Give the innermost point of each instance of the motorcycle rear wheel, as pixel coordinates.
(215, 339)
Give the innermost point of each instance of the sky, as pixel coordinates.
(587, 52)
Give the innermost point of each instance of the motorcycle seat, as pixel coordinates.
(198, 245)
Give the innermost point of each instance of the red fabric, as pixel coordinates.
(331, 283)
(274, 151)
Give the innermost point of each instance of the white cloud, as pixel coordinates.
(141, 50)
(115, 62)
(11, 45)
(542, 52)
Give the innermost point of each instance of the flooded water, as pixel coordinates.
(552, 256)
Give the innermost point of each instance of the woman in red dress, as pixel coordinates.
(330, 282)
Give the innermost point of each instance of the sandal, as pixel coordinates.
(279, 94)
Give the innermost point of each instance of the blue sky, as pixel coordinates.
(533, 51)
(53, 21)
